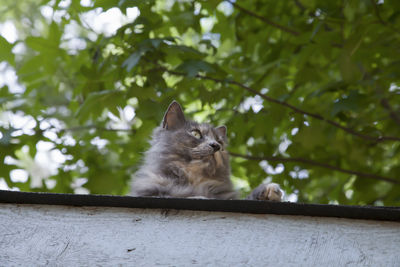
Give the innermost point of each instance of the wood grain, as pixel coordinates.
(39, 235)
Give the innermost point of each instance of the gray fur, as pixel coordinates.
(180, 165)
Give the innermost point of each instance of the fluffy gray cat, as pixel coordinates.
(188, 159)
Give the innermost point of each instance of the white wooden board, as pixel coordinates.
(39, 235)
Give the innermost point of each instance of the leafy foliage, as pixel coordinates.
(308, 89)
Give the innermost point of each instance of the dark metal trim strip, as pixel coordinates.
(240, 206)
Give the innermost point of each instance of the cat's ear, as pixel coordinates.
(174, 117)
(221, 130)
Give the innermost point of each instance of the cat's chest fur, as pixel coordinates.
(198, 171)
(195, 171)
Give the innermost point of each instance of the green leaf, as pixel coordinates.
(353, 102)
(6, 136)
(311, 136)
(193, 67)
(209, 45)
(41, 44)
(132, 61)
(97, 101)
(105, 4)
(6, 51)
(349, 69)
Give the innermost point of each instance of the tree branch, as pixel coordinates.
(319, 164)
(317, 116)
(295, 109)
(393, 114)
(263, 19)
(300, 5)
(88, 127)
(378, 15)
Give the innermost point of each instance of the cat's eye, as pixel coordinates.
(196, 133)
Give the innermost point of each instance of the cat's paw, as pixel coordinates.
(272, 192)
(198, 197)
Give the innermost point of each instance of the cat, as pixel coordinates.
(189, 160)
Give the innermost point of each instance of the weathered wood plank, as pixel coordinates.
(89, 236)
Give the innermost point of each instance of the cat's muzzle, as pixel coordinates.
(205, 151)
(215, 146)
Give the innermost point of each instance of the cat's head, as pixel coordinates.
(197, 140)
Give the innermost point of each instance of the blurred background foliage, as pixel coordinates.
(309, 91)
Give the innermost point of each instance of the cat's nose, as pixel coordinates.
(215, 146)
